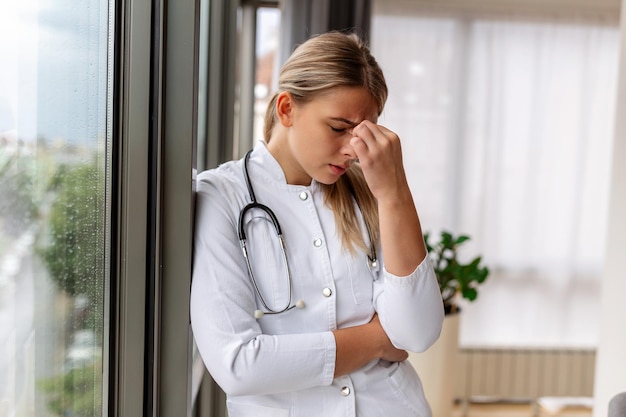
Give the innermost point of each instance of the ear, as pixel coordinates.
(285, 108)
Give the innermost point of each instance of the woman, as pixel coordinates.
(324, 329)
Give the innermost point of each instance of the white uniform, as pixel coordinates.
(283, 364)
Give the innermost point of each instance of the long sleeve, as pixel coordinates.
(410, 308)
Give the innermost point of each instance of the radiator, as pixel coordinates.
(496, 374)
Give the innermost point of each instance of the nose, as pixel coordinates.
(347, 149)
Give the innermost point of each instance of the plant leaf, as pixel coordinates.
(470, 293)
(461, 239)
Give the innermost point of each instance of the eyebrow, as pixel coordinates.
(346, 121)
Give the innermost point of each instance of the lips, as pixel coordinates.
(337, 169)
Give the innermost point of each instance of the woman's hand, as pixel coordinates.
(380, 157)
(358, 345)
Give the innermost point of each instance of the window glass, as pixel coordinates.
(54, 206)
(268, 30)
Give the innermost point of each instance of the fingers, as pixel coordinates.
(393, 354)
(371, 141)
(365, 137)
(372, 133)
(380, 155)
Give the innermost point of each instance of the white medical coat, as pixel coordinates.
(282, 365)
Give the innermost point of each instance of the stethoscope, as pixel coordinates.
(371, 257)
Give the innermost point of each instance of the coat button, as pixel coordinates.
(317, 243)
(327, 292)
(303, 195)
(345, 391)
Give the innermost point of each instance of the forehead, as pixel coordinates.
(353, 104)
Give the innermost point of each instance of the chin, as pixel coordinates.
(327, 181)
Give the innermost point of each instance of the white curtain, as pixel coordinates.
(507, 130)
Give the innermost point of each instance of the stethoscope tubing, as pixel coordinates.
(242, 240)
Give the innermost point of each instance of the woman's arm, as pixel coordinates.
(408, 298)
(356, 346)
(380, 156)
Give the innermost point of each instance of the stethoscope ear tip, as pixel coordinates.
(258, 314)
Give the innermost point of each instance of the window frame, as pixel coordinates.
(149, 337)
(129, 198)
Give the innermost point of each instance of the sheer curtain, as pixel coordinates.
(507, 130)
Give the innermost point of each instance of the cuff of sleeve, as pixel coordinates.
(422, 271)
(328, 372)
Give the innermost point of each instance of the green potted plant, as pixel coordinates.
(455, 277)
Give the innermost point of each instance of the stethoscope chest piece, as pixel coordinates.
(372, 263)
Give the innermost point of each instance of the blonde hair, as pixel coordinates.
(336, 59)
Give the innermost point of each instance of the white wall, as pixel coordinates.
(611, 356)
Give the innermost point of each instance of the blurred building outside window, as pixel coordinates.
(54, 205)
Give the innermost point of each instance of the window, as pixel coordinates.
(257, 46)
(507, 130)
(55, 142)
(268, 27)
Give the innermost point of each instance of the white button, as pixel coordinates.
(327, 292)
(317, 243)
(345, 391)
(303, 196)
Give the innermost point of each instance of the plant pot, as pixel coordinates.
(436, 367)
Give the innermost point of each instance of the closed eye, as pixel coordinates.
(345, 124)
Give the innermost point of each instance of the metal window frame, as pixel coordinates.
(155, 127)
(130, 196)
(180, 123)
(219, 108)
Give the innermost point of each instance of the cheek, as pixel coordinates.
(327, 146)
